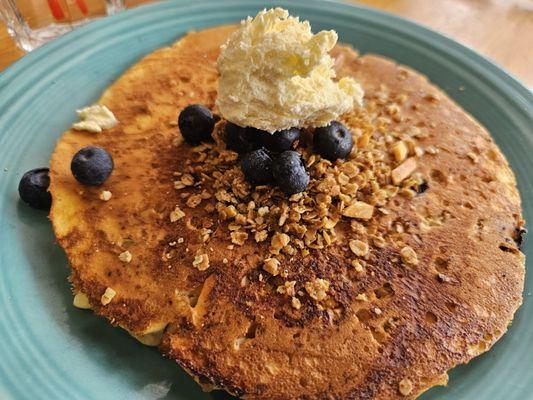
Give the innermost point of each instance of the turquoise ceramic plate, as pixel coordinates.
(49, 350)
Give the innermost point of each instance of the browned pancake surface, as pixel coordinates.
(226, 324)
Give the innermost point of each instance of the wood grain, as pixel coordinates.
(499, 29)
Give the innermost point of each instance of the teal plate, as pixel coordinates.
(49, 350)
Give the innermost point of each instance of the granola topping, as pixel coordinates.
(355, 192)
(201, 262)
(317, 289)
(271, 265)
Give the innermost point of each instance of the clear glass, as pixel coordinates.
(34, 22)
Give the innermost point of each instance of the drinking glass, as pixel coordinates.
(32, 23)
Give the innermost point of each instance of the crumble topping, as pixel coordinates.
(355, 192)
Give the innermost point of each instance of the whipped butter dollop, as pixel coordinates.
(276, 74)
(95, 118)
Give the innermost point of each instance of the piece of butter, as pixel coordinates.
(275, 74)
(95, 118)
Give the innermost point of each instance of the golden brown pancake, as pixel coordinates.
(430, 281)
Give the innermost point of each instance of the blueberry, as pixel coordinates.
(333, 141)
(92, 165)
(196, 124)
(257, 167)
(242, 140)
(281, 140)
(33, 188)
(289, 172)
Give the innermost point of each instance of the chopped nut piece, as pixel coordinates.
(409, 255)
(279, 241)
(176, 214)
(284, 214)
(403, 171)
(226, 212)
(178, 185)
(194, 201)
(271, 265)
(224, 260)
(405, 387)
(125, 256)
(296, 303)
(359, 209)
(201, 262)
(329, 223)
(350, 169)
(240, 219)
(350, 188)
(261, 236)
(238, 237)
(106, 195)
(107, 296)
(287, 288)
(205, 234)
(379, 242)
(357, 266)
(290, 250)
(317, 289)
(262, 211)
(343, 179)
(187, 180)
(378, 311)
(361, 297)
(358, 247)
(234, 227)
(81, 301)
(400, 151)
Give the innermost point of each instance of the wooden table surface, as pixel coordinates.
(499, 29)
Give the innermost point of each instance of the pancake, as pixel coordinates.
(395, 266)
